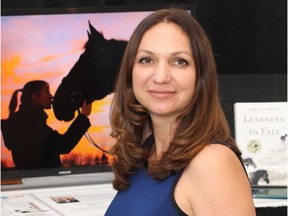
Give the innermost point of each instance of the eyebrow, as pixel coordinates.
(173, 53)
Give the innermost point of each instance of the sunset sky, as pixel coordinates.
(46, 47)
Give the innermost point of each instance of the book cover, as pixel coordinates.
(261, 135)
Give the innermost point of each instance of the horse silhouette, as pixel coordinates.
(249, 162)
(257, 175)
(92, 77)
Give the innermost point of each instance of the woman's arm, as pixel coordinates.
(64, 143)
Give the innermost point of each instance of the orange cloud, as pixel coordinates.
(8, 68)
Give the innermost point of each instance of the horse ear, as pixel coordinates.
(94, 32)
(89, 35)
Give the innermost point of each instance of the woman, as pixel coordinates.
(166, 94)
(33, 143)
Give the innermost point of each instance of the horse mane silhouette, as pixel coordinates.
(92, 77)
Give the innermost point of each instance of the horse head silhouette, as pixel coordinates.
(92, 77)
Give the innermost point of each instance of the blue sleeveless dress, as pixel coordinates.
(146, 196)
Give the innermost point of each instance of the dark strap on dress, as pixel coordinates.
(149, 141)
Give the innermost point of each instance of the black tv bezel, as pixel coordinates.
(19, 174)
(95, 9)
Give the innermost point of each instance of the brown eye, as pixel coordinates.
(145, 60)
(181, 62)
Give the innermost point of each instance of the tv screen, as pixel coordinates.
(45, 45)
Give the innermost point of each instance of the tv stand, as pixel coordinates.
(57, 181)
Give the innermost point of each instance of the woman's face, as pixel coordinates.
(164, 74)
(43, 100)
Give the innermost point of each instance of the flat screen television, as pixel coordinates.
(45, 44)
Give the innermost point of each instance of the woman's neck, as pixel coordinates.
(163, 134)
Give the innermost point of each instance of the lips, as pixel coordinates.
(161, 94)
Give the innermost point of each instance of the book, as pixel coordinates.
(261, 135)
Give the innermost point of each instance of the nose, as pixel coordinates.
(162, 73)
(50, 96)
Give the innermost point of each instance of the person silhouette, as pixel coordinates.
(34, 144)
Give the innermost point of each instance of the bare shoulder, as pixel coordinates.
(213, 155)
(217, 150)
(216, 176)
(218, 162)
